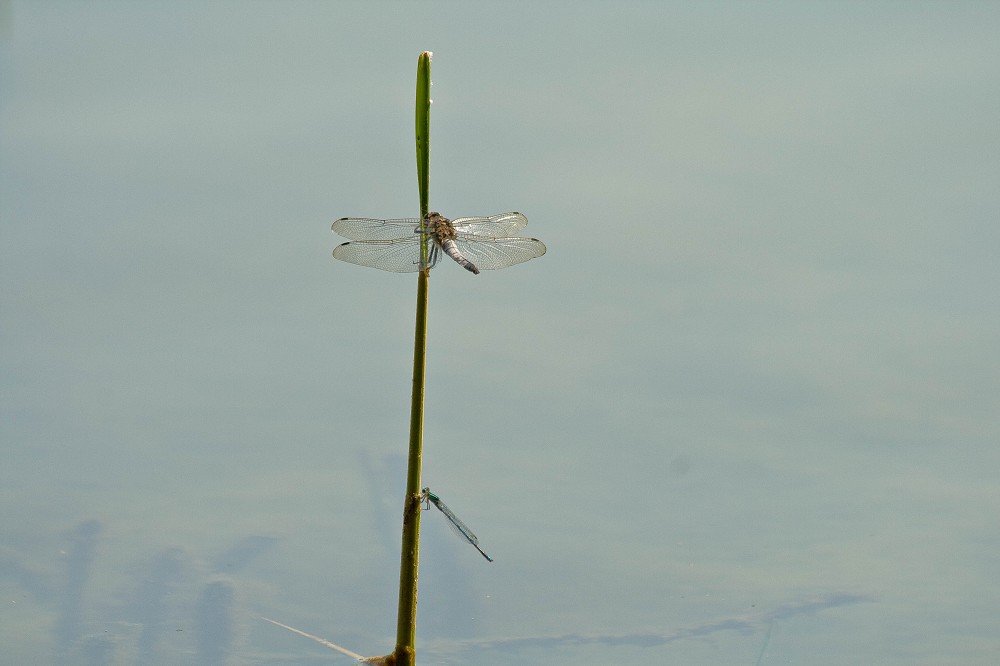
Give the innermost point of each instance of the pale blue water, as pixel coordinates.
(743, 411)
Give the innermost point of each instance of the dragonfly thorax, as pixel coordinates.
(440, 227)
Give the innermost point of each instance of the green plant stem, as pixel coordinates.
(423, 130)
(406, 622)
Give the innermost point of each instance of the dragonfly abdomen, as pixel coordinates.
(451, 249)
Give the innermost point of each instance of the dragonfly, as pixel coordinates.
(461, 529)
(476, 243)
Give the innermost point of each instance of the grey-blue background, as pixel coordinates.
(744, 411)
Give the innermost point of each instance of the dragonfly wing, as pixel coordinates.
(489, 254)
(494, 226)
(401, 255)
(366, 228)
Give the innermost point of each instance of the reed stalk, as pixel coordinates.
(406, 622)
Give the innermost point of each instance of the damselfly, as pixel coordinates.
(460, 528)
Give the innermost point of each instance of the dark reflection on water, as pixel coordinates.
(79, 557)
(151, 605)
(243, 552)
(33, 582)
(94, 651)
(213, 623)
(745, 624)
(452, 651)
(170, 614)
(175, 615)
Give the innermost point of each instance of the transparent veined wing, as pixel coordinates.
(489, 254)
(399, 255)
(389, 245)
(366, 228)
(494, 226)
(394, 245)
(456, 524)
